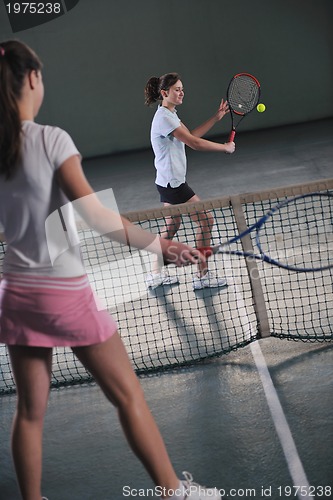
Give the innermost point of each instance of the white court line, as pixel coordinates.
(281, 425)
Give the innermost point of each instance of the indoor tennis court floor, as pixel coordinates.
(258, 422)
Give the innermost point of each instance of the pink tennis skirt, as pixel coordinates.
(45, 311)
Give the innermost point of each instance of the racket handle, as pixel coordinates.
(232, 136)
(206, 251)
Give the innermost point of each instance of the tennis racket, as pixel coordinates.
(243, 96)
(296, 234)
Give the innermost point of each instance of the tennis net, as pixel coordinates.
(176, 325)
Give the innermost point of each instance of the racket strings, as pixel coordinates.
(243, 94)
(300, 234)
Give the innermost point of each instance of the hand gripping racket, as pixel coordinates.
(243, 96)
(296, 234)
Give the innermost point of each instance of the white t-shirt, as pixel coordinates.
(170, 158)
(26, 201)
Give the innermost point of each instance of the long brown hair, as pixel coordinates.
(155, 84)
(16, 61)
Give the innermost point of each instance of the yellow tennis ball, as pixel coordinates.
(261, 108)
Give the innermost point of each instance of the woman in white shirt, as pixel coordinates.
(168, 138)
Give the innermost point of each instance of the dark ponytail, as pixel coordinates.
(155, 85)
(152, 93)
(16, 61)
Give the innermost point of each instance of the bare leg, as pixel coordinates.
(205, 222)
(32, 371)
(110, 366)
(171, 227)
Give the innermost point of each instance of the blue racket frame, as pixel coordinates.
(208, 251)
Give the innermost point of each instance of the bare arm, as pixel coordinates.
(184, 135)
(72, 180)
(207, 125)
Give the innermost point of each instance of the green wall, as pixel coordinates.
(98, 56)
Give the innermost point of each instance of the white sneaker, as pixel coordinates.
(193, 491)
(153, 280)
(208, 281)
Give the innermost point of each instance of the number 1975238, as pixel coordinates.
(33, 8)
(302, 491)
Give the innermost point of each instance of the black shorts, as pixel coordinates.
(180, 194)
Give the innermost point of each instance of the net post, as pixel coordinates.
(253, 272)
